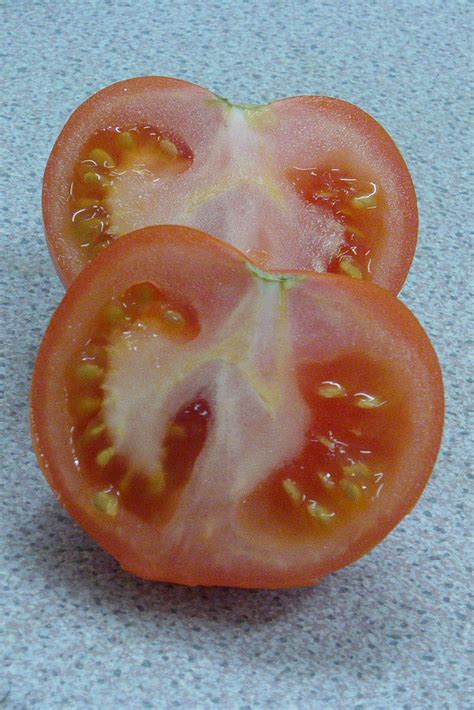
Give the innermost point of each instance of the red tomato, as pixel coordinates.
(210, 423)
(309, 183)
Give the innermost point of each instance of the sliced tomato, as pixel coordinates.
(310, 183)
(207, 422)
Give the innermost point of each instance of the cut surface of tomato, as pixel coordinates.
(309, 183)
(208, 422)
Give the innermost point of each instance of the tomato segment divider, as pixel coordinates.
(309, 183)
(209, 422)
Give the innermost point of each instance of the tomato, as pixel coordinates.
(309, 183)
(208, 422)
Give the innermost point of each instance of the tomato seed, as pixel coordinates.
(367, 401)
(319, 512)
(350, 489)
(105, 456)
(331, 390)
(293, 491)
(106, 502)
(102, 158)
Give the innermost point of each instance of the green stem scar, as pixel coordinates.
(286, 280)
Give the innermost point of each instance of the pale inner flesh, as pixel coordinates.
(236, 191)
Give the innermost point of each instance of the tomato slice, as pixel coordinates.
(207, 422)
(310, 183)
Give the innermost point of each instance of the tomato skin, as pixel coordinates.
(392, 256)
(133, 258)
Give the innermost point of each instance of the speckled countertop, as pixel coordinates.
(391, 631)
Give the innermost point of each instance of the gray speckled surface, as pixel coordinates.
(392, 630)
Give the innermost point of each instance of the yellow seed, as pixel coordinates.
(93, 431)
(368, 401)
(113, 314)
(327, 443)
(106, 502)
(88, 372)
(331, 390)
(174, 317)
(84, 203)
(176, 430)
(319, 512)
(293, 491)
(89, 226)
(126, 140)
(157, 482)
(102, 158)
(92, 179)
(105, 456)
(324, 194)
(357, 469)
(364, 202)
(327, 480)
(87, 406)
(350, 268)
(350, 489)
(168, 148)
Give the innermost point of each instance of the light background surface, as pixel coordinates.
(391, 631)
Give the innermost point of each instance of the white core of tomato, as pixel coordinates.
(237, 191)
(258, 416)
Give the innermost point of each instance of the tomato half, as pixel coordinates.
(309, 183)
(207, 422)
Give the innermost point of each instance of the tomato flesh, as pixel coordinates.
(208, 422)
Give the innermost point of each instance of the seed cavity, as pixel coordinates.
(350, 268)
(106, 502)
(293, 491)
(368, 401)
(105, 456)
(350, 489)
(331, 390)
(319, 512)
